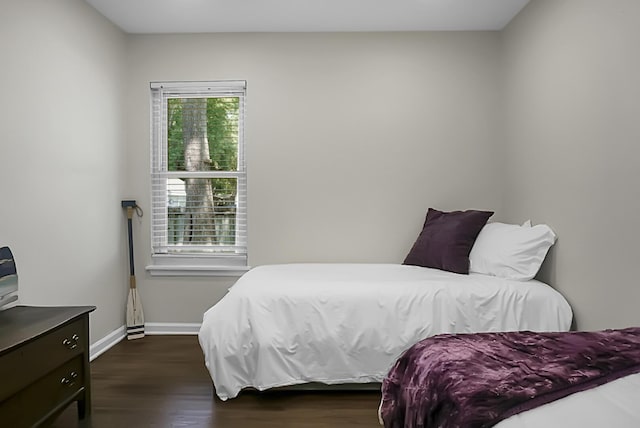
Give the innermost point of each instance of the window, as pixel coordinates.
(198, 178)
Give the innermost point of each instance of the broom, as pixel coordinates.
(135, 315)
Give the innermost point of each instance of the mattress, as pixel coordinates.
(282, 325)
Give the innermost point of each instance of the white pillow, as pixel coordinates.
(511, 251)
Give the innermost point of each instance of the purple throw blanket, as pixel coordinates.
(477, 380)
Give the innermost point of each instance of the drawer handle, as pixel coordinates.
(70, 381)
(71, 343)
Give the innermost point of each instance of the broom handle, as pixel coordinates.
(132, 280)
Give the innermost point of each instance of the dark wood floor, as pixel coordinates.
(161, 381)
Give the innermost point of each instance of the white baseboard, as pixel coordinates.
(150, 328)
(102, 345)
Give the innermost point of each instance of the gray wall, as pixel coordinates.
(350, 138)
(572, 140)
(62, 156)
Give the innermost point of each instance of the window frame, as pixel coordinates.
(232, 262)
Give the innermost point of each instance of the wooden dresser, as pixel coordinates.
(44, 363)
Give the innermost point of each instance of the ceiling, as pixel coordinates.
(205, 16)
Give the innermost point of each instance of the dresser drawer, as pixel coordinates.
(45, 395)
(39, 357)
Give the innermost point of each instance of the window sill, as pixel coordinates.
(196, 270)
(179, 265)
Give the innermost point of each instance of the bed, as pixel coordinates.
(516, 380)
(291, 324)
(614, 404)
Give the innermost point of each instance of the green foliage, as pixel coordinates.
(222, 130)
(222, 135)
(174, 135)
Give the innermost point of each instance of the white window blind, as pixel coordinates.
(198, 174)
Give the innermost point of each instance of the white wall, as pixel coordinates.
(573, 143)
(62, 156)
(350, 138)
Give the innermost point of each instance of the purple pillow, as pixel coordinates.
(446, 240)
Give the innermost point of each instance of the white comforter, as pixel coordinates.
(614, 404)
(347, 323)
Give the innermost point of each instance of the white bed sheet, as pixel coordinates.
(614, 404)
(347, 323)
